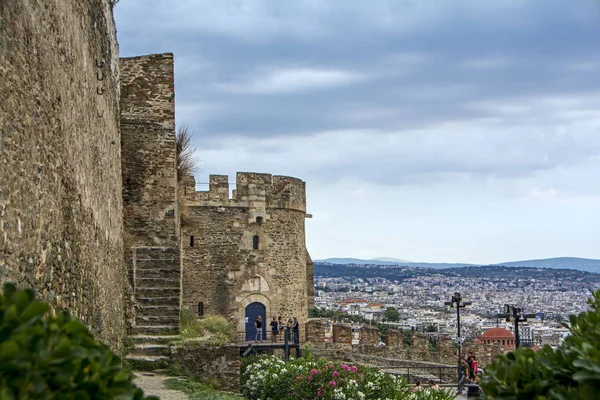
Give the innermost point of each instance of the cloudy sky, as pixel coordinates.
(427, 130)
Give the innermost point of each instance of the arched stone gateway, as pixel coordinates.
(252, 311)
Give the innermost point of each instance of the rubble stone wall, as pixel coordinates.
(60, 175)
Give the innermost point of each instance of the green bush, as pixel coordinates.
(571, 372)
(45, 356)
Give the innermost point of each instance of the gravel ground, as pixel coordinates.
(153, 385)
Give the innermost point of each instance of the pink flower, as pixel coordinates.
(354, 368)
(314, 371)
(319, 393)
(345, 367)
(335, 374)
(332, 383)
(330, 366)
(309, 378)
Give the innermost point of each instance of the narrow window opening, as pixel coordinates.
(259, 220)
(191, 241)
(184, 190)
(200, 309)
(255, 242)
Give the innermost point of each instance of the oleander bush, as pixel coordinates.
(46, 356)
(570, 372)
(268, 377)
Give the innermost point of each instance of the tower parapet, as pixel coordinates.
(252, 190)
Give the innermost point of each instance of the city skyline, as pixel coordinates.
(425, 131)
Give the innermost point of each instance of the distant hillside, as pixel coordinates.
(580, 264)
(330, 270)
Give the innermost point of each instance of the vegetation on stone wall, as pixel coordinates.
(212, 329)
(53, 356)
(570, 372)
(334, 315)
(306, 378)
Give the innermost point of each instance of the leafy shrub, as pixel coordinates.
(271, 378)
(190, 324)
(44, 356)
(571, 372)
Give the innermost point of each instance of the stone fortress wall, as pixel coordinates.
(249, 248)
(60, 158)
(150, 204)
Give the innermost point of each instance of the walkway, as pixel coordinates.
(153, 385)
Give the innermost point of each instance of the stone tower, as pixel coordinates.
(246, 255)
(150, 204)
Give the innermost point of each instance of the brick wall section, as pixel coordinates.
(60, 179)
(394, 339)
(150, 203)
(369, 336)
(342, 333)
(315, 330)
(221, 268)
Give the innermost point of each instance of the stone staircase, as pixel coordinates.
(157, 280)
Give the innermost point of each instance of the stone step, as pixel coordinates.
(157, 320)
(157, 263)
(156, 329)
(156, 311)
(157, 292)
(158, 301)
(174, 274)
(154, 282)
(153, 339)
(150, 350)
(151, 252)
(147, 363)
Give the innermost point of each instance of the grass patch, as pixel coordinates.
(213, 329)
(198, 391)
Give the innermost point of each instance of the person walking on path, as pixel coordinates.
(274, 329)
(258, 325)
(464, 375)
(296, 330)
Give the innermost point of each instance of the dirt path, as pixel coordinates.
(153, 385)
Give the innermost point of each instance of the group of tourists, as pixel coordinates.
(469, 371)
(277, 327)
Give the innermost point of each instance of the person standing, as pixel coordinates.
(296, 330)
(274, 329)
(258, 325)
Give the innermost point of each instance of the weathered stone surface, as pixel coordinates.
(369, 336)
(342, 333)
(394, 339)
(60, 165)
(221, 267)
(316, 329)
(219, 366)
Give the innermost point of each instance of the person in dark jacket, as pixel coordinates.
(274, 329)
(296, 330)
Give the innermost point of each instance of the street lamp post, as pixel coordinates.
(457, 300)
(517, 315)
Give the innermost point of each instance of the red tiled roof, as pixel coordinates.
(495, 333)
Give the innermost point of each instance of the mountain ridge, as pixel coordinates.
(577, 263)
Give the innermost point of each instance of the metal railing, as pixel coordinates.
(251, 343)
(437, 374)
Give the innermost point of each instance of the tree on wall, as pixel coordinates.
(187, 162)
(391, 314)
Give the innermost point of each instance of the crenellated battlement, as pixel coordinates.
(253, 190)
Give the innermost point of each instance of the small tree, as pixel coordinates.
(187, 163)
(391, 314)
